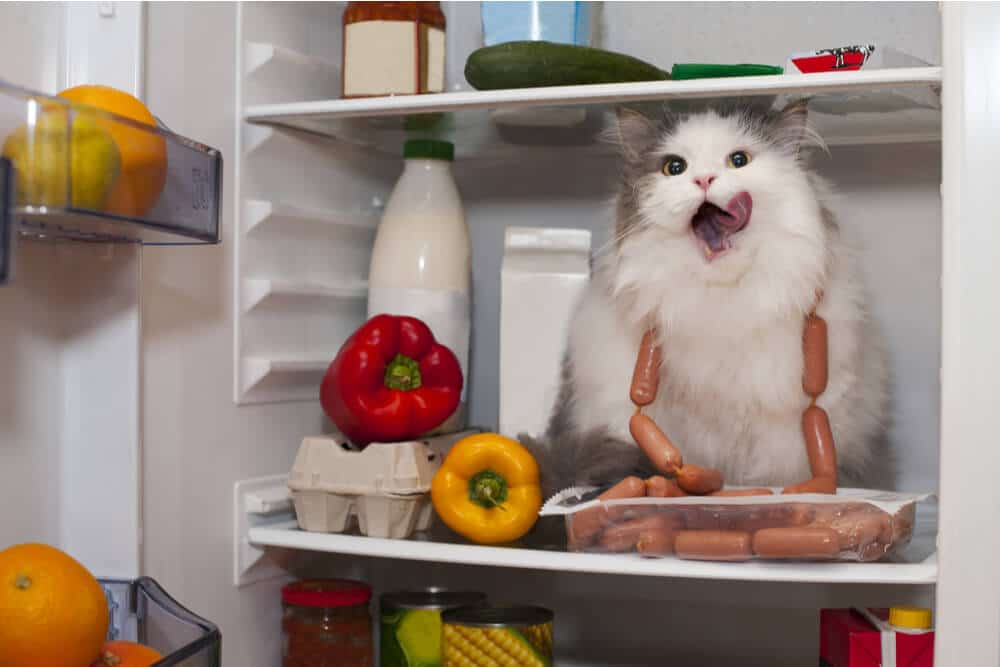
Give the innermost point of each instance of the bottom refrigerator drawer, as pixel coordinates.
(141, 611)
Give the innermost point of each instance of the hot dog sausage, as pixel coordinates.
(730, 545)
(821, 451)
(625, 536)
(588, 523)
(655, 444)
(658, 541)
(795, 542)
(646, 375)
(658, 486)
(699, 481)
(733, 493)
(815, 371)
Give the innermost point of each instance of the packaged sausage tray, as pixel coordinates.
(853, 525)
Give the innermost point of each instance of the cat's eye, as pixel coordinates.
(674, 165)
(739, 159)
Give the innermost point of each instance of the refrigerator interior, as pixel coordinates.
(234, 336)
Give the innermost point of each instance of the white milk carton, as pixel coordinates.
(544, 271)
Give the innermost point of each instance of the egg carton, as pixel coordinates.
(385, 486)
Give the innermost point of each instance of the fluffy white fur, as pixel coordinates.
(731, 388)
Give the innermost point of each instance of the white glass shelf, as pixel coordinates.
(289, 536)
(878, 106)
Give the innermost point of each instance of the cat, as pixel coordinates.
(722, 242)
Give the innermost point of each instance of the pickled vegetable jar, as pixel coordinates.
(326, 624)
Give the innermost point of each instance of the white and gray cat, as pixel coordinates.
(722, 242)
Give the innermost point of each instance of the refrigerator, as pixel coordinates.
(155, 394)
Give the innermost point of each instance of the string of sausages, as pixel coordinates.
(695, 480)
(780, 531)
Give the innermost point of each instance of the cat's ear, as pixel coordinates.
(633, 131)
(791, 128)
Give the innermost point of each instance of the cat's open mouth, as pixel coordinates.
(713, 227)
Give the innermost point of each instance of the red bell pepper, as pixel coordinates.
(391, 381)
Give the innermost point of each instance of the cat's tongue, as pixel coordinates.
(713, 226)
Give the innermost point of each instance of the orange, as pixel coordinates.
(126, 654)
(143, 154)
(53, 613)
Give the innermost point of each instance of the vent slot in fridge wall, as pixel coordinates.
(307, 209)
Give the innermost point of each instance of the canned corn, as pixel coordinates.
(411, 625)
(483, 636)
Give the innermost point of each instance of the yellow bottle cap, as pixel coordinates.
(915, 618)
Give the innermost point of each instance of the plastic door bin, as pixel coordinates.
(141, 611)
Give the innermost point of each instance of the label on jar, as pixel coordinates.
(446, 312)
(410, 638)
(432, 45)
(380, 58)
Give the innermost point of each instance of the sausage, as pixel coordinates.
(658, 486)
(657, 541)
(796, 542)
(734, 493)
(821, 451)
(662, 453)
(625, 536)
(815, 372)
(646, 375)
(699, 481)
(588, 523)
(729, 545)
(819, 443)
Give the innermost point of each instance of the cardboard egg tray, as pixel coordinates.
(385, 487)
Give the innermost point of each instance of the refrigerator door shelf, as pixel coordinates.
(85, 174)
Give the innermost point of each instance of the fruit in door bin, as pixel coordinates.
(391, 381)
(126, 654)
(144, 154)
(41, 152)
(487, 489)
(53, 613)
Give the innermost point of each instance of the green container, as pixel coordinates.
(411, 625)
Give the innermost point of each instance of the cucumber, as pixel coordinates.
(537, 64)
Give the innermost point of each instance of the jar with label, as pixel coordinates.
(421, 261)
(326, 624)
(393, 48)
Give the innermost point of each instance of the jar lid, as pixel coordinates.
(433, 598)
(430, 149)
(497, 617)
(914, 618)
(326, 593)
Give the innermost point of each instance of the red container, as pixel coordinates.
(326, 624)
(848, 639)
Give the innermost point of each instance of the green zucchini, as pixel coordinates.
(537, 64)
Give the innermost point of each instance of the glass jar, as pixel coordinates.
(326, 623)
(393, 48)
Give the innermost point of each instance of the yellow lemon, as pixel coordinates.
(42, 152)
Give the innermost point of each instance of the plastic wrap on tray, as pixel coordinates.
(853, 525)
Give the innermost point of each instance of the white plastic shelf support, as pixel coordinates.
(259, 215)
(256, 370)
(271, 69)
(257, 290)
(259, 502)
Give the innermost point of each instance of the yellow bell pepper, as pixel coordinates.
(487, 489)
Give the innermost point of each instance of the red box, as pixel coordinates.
(848, 639)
